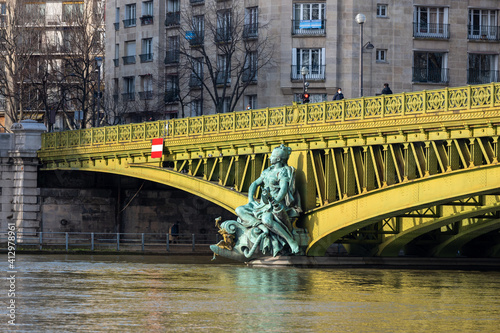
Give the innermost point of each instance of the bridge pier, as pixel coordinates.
(19, 194)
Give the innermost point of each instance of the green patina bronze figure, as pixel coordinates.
(265, 227)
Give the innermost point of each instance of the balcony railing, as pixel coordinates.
(173, 19)
(146, 19)
(128, 96)
(195, 38)
(308, 27)
(251, 30)
(483, 32)
(117, 62)
(195, 81)
(129, 22)
(128, 60)
(171, 96)
(117, 26)
(172, 57)
(477, 76)
(431, 30)
(316, 72)
(146, 57)
(223, 35)
(146, 95)
(430, 75)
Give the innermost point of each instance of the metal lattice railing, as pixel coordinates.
(468, 98)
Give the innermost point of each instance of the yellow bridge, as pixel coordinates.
(413, 173)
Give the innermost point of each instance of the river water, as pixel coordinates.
(97, 293)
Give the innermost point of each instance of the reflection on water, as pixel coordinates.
(58, 293)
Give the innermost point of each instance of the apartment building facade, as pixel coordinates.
(412, 45)
(48, 55)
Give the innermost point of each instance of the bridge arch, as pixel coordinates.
(365, 209)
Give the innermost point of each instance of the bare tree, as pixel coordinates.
(45, 71)
(221, 52)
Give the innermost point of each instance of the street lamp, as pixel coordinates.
(98, 61)
(304, 71)
(360, 19)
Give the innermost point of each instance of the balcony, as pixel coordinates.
(117, 26)
(171, 96)
(477, 76)
(146, 57)
(173, 19)
(146, 19)
(316, 72)
(128, 96)
(117, 62)
(129, 23)
(143, 95)
(195, 81)
(431, 30)
(223, 35)
(172, 57)
(483, 32)
(430, 75)
(128, 60)
(195, 38)
(251, 31)
(308, 27)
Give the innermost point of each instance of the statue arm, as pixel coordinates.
(253, 189)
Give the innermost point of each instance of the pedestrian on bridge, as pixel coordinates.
(339, 95)
(386, 90)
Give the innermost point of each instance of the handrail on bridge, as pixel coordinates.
(476, 97)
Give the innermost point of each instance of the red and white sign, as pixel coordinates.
(157, 148)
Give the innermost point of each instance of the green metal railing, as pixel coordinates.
(468, 98)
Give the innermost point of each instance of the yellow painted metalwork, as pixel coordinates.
(362, 164)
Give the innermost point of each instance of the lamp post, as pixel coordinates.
(360, 19)
(98, 61)
(304, 71)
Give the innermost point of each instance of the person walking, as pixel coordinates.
(386, 90)
(339, 95)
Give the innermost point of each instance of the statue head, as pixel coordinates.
(280, 154)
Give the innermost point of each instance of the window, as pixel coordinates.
(250, 69)
(172, 56)
(129, 57)
(251, 100)
(147, 50)
(35, 11)
(3, 8)
(172, 88)
(147, 87)
(196, 108)
(430, 22)
(130, 15)
(308, 18)
(225, 104)
(223, 26)
(129, 86)
(72, 12)
(117, 55)
(223, 69)
(381, 10)
(430, 67)
(117, 19)
(197, 34)
(173, 17)
(483, 24)
(147, 13)
(483, 68)
(381, 55)
(251, 28)
(312, 59)
(196, 79)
